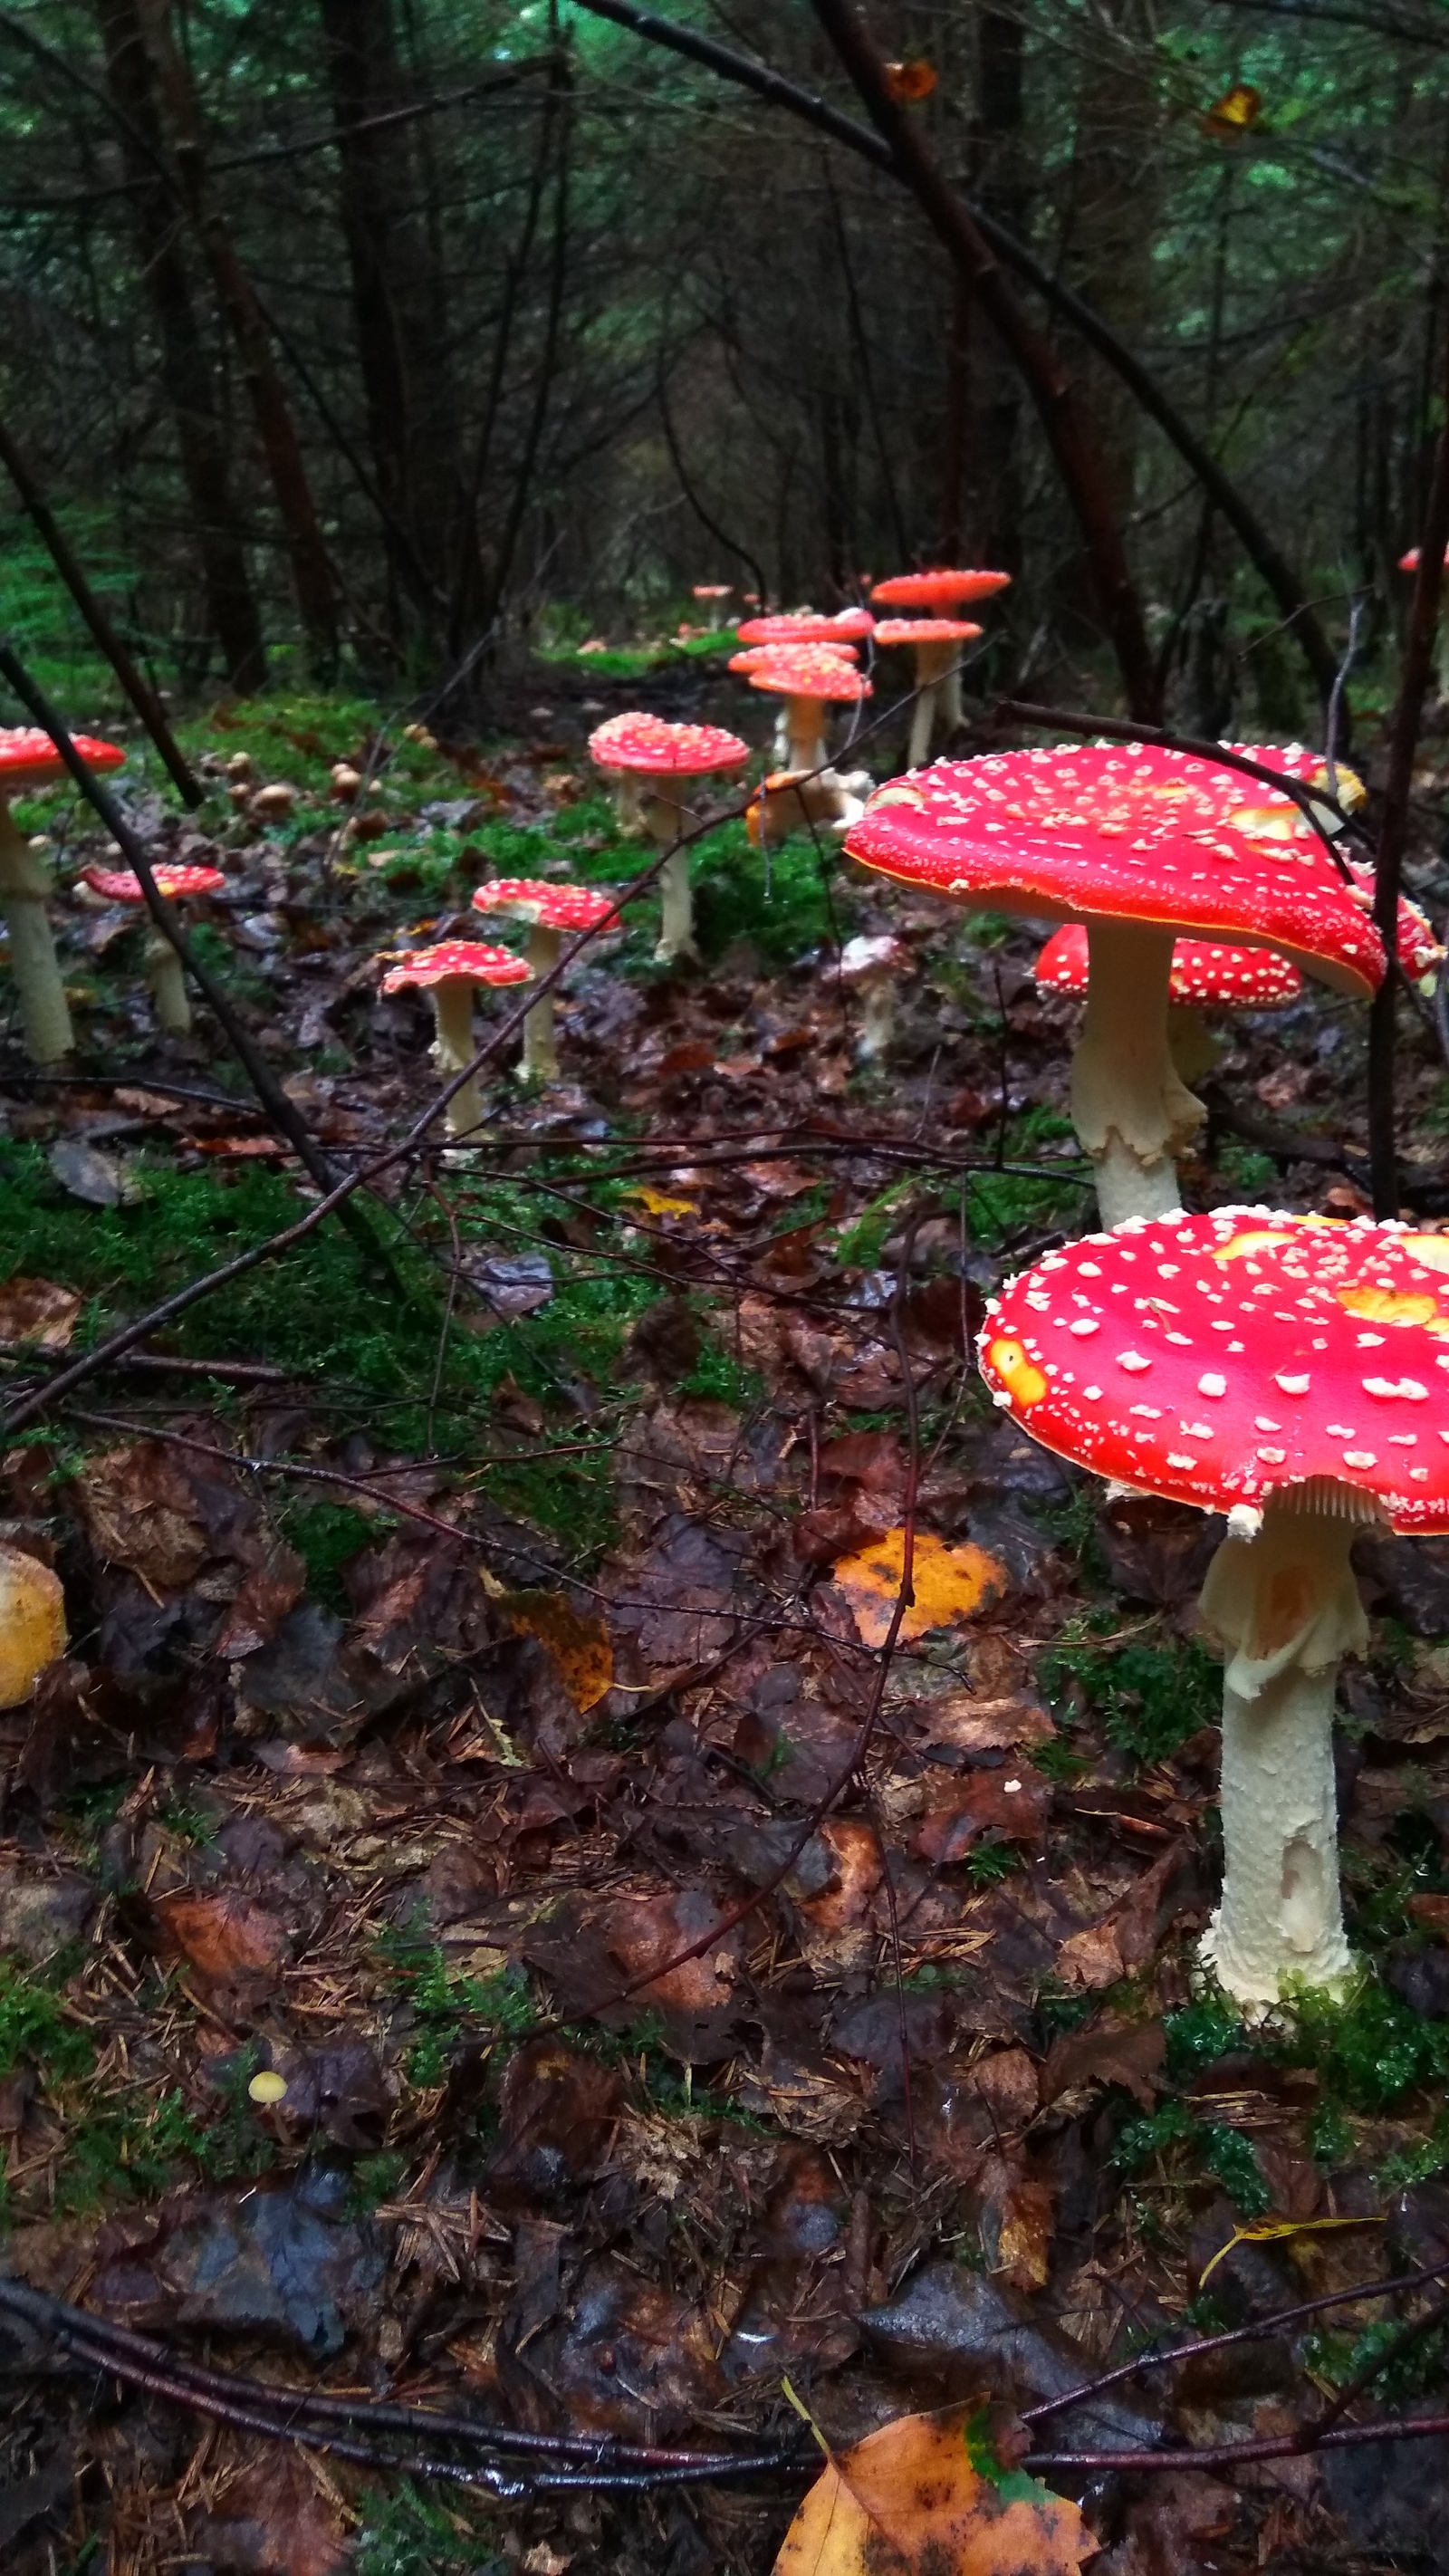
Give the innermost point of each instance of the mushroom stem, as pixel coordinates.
(168, 987)
(938, 693)
(1286, 1606)
(1129, 1108)
(805, 731)
(1190, 1042)
(24, 885)
(877, 1017)
(665, 822)
(628, 803)
(454, 1048)
(540, 1053)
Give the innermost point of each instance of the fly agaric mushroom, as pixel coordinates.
(809, 677)
(660, 754)
(935, 594)
(872, 968)
(163, 967)
(449, 972)
(803, 626)
(32, 1624)
(1281, 1369)
(936, 643)
(1205, 975)
(711, 596)
(1418, 950)
(1141, 846)
(28, 758)
(549, 910)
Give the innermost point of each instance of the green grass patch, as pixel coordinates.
(1150, 1695)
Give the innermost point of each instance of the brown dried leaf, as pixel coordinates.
(39, 1311)
(908, 2501)
(577, 1640)
(948, 1583)
(230, 1940)
(142, 1512)
(273, 2521)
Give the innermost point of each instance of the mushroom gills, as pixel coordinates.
(1130, 1109)
(1286, 1606)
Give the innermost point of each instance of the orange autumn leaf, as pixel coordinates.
(922, 2497)
(578, 1643)
(909, 83)
(948, 1583)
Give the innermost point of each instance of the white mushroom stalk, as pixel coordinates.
(871, 968)
(1284, 1370)
(1286, 1607)
(39, 990)
(665, 821)
(1130, 1108)
(177, 882)
(938, 697)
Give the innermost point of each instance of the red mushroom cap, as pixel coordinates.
(457, 961)
(1130, 834)
(1217, 1359)
(121, 885)
(753, 656)
(810, 671)
(1203, 970)
(28, 757)
(558, 907)
(1418, 948)
(937, 590)
(925, 630)
(1410, 561)
(711, 590)
(849, 626)
(637, 741)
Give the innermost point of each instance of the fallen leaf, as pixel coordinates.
(142, 1512)
(910, 2501)
(656, 1203)
(1017, 2223)
(1265, 2231)
(949, 1583)
(273, 2521)
(1013, 1801)
(577, 1640)
(1131, 2057)
(39, 1311)
(102, 1180)
(969, 1725)
(230, 1941)
(1090, 1959)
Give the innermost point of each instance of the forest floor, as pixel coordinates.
(449, 1653)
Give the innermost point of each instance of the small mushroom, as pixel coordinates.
(28, 758)
(872, 968)
(164, 971)
(449, 972)
(843, 633)
(276, 803)
(550, 910)
(712, 596)
(660, 756)
(936, 643)
(1140, 846)
(809, 677)
(1205, 976)
(32, 1624)
(241, 769)
(1288, 1371)
(344, 782)
(818, 801)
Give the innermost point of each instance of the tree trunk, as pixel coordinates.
(397, 312)
(186, 373)
(271, 409)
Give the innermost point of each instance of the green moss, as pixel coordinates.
(1200, 2034)
(1370, 2049)
(407, 2534)
(1150, 1696)
(1173, 2132)
(325, 1536)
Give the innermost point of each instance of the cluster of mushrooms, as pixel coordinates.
(1283, 1370)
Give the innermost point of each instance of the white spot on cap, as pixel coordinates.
(1091, 1395)
(1147, 1412)
(1360, 1458)
(1083, 1325)
(1262, 1423)
(1133, 1362)
(1272, 1457)
(1175, 1459)
(1407, 1387)
(1293, 1385)
(1370, 1341)
(1339, 1430)
(1212, 1384)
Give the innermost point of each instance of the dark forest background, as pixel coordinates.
(381, 337)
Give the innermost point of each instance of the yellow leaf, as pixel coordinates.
(1234, 114)
(909, 2501)
(948, 1583)
(1264, 2230)
(654, 1203)
(577, 1641)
